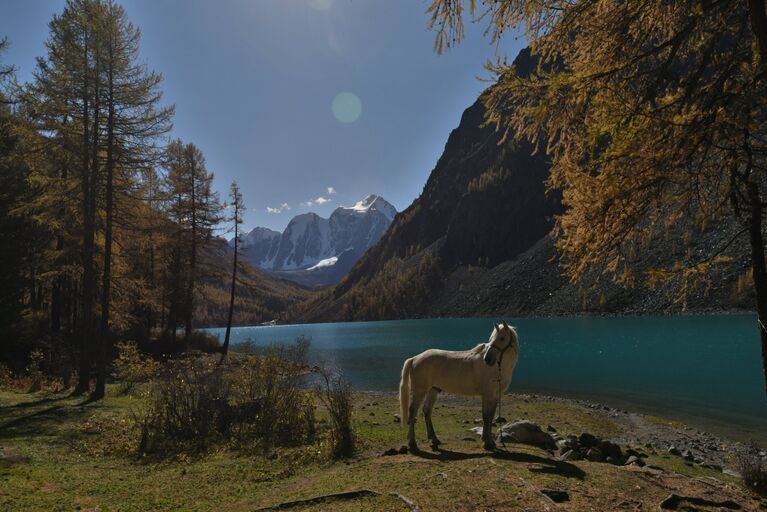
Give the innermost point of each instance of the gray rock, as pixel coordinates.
(476, 430)
(572, 455)
(527, 432)
(611, 450)
(390, 452)
(595, 454)
(633, 460)
(587, 439)
(673, 450)
(397, 419)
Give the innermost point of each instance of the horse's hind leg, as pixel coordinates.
(416, 398)
(428, 406)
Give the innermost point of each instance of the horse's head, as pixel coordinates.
(502, 339)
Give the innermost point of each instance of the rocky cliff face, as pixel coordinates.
(477, 242)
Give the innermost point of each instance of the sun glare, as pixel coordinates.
(346, 107)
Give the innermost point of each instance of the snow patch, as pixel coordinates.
(327, 262)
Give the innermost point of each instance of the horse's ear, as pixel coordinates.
(505, 324)
(495, 326)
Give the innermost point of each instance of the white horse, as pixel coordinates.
(482, 371)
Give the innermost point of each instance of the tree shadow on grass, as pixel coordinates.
(37, 403)
(44, 421)
(547, 466)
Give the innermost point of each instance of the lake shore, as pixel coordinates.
(655, 433)
(52, 459)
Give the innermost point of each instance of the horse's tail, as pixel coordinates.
(404, 392)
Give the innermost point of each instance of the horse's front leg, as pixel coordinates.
(489, 403)
(428, 406)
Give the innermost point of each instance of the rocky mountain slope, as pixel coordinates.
(313, 250)
(477, 242)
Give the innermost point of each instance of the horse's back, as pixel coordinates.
(452, 371)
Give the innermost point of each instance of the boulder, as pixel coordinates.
(611, 450)
(588, 440)
(594, 454)
(572, 455)
(527, 432)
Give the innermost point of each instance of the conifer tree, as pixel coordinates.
(238, 209)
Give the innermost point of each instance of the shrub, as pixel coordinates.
(187, 404)
(204, 342)
(269, 400)
(131, 367)
(753, 468)
(336, 395)
(255, 399)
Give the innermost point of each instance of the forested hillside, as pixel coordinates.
(108, 227)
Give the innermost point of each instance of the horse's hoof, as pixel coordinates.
(412, 447)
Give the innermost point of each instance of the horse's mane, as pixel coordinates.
(479, 348)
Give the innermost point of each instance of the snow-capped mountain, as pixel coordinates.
(315, 244)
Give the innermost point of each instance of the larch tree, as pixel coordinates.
(238, 209)
(134, 120)
(63, 102)
(96, 111)
(651, 112)
(195, 209)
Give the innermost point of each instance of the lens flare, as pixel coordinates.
(346, 107)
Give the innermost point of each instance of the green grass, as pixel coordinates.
(64, 454)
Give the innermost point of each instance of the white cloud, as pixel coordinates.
(331, 191)
(283, 207)
(318, 201)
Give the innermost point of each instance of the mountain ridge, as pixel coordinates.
(479, 241)
(310, 248)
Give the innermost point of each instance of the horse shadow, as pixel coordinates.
(546, 465)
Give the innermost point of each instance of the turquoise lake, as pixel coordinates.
(702, 369)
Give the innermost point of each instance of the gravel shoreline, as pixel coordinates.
(693, 446)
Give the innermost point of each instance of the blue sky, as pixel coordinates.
(293, 97)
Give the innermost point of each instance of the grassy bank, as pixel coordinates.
(59, 453)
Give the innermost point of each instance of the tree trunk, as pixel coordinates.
(758, 15)
(192, 262)
(759, 271)
(225, 348)
(83, 382)
(106, 284)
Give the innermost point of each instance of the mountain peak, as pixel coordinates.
(311, 243)
(374, 202)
